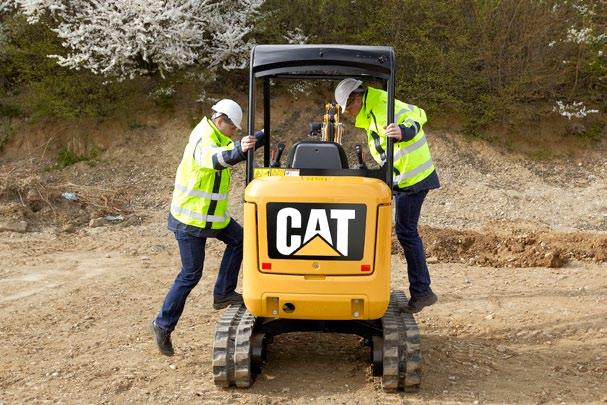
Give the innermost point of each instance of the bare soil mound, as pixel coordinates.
(518, 248)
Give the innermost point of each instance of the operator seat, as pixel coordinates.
(317, 155)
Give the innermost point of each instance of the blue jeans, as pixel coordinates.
(191, 250)
(408, 208)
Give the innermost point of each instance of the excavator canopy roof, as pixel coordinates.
(322, 61)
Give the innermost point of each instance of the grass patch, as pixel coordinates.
(67, 157)
(542, 155)
(9, 111)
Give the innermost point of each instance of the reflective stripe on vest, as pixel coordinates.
(407, 175)
(413, 123)
(206, 218)
(418, 144)
(377, 140)
(198, 193)
(399, 114)
(221, 160)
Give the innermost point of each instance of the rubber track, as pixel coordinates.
(224, 345)
(410, 347)
(402, 348)
(242, 351)
(389, 322)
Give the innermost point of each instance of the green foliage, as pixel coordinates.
(5, 132)
(487, 60)
(38, 87)
(163, 97)
(593, 131)
(8, 110)
(67, 157)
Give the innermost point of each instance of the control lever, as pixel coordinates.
(359, 157)
(276, 161)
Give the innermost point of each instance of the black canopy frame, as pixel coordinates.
(329, 62)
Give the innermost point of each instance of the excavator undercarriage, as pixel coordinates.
(241, 343)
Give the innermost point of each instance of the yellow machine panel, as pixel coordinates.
(317, 247)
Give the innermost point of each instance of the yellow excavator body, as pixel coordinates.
(317, 247)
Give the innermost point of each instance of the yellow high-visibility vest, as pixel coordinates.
(200, 196)
(412, 159)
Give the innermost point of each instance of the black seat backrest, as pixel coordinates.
(317, 155)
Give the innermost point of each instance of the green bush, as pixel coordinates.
(163, 97)
(485, 60)
(67, 157)
(39, 88)
(9, 110)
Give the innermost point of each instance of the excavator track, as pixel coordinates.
(239, 349)
(401, 347)
(232, 349)
(243, 369)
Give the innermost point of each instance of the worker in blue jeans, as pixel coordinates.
(413, 172)
(408, 208)
(199, 210)
(192, 243)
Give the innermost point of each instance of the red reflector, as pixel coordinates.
(365, 267)
(266, 266)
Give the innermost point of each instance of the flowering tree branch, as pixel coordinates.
(126, 38)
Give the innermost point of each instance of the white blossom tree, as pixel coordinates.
(229, 24)
(586, 37)
(296, 36)
(126, 38)
(33, 9)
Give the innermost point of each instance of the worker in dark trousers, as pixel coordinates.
(414, 172)
(199, 210)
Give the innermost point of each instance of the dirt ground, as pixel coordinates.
(517, 251)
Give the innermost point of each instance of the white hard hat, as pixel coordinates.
(344, 89)
(231, 109)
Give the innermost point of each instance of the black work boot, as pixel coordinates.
(163, 339)
(416, 304)
(232, 298)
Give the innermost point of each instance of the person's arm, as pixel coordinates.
(222, 157)
(409, 130)
(259, 138)
(411, 123)
(218, 157)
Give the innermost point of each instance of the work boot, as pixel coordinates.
(232, 298)
(416, 304)
(163, 339)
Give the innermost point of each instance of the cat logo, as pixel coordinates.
(316, 231)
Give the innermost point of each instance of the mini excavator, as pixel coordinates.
(317, 233)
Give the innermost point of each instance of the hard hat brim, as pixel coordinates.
(345, 88)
